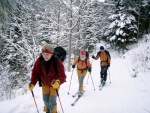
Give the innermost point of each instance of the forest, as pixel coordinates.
(74, 24)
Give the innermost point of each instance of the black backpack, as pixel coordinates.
(59, 52)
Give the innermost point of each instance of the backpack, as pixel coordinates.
(106, 53)
(59, 52)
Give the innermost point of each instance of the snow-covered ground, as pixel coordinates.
(125, 94)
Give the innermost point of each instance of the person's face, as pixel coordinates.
(47, 56)
(82, 57)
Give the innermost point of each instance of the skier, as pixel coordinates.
(105, 63)
(83, 64)
(51, 80)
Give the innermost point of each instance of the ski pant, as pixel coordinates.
(81, 75)
(49, 98)
(103, 72)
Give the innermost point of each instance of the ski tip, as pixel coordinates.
(72, 104)
(68, 93)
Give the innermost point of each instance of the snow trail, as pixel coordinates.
(124, 94)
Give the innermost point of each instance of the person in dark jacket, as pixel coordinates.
(44, 68)
(105, 63)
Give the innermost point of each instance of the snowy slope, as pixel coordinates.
(124, 94)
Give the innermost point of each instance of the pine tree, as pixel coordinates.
(123, 27)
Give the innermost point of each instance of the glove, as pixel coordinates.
(93, 56)
(89, 69)
(56, 84)
(108, 65)
(30, 87)
(73, 66)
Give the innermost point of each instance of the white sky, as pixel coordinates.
(124, 94)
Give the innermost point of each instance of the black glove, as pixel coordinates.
(93, 56)
(73, 66)
(108, 65)
(89, 69)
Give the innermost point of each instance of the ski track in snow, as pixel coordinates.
(124, 94)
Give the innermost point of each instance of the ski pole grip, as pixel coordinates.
(57, 92)
(32, 93)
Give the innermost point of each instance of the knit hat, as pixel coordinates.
(101, 48)
(47, 48)
(83, 52)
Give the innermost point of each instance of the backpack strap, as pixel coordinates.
(41, 64)
(41, 61)
(83, 61)
(99, 53)
(82, 69)
(107, 53)
(55, 61)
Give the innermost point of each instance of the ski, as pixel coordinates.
(101, 86)
(75, 94)
(76, 100)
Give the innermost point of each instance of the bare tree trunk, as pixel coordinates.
(58, 27)
(149, 27)
(70, 38)
(79, 36)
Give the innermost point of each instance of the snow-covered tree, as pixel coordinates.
(18, 48)
(144, 17)
(96, 20)
(123, 28)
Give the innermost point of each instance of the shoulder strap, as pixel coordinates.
(107, 53)
(41, 61)
(55, 60)
(83, 61)
(55, 64)
(86, 60)
(41, 64)
(78, 58)
(99, 53)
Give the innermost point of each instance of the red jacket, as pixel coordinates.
(40, 71)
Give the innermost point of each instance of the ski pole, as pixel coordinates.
(92, 81)
(70, 82)
(59, 100)
(109, 76)
(88, 74)
(34, 101)
(87, 79)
